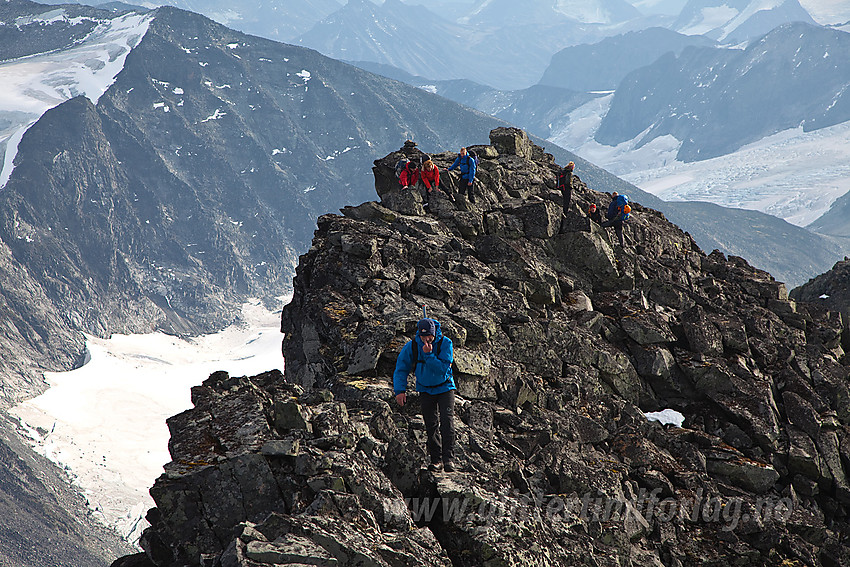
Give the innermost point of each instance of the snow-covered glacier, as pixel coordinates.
(34, 84)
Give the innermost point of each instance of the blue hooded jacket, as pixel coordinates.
(433, 372)
(467, 166)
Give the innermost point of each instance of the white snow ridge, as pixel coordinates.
(33, 85)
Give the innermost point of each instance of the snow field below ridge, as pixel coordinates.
(104, 423)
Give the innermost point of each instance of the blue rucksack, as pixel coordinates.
(623, 207)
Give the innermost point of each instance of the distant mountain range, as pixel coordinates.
(735, 21)
(501, 13)
(503, 44)
(18, 35)
(409, 37)
(601, 66)
(716, 100)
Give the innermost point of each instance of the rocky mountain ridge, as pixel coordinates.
(563, 340)
(738, 21)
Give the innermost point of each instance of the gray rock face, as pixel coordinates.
(557, 465)
(602, 65)
(830, 291)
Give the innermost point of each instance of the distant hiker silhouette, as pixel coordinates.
(565, 186)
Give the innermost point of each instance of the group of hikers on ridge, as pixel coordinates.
(421, 173)
(430, 354)
(618, 211)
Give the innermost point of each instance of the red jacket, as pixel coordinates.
(408, 176)
(431, 179)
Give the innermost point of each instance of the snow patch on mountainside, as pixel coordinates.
(747, 13)
(793, 175)
(104, 423)
(33, 85)
(584, 11)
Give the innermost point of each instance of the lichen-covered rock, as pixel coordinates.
(562, 340)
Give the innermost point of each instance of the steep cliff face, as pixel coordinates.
(563, 339)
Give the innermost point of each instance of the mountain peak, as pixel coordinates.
(561, 341)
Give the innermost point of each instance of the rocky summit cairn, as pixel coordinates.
(563, 341)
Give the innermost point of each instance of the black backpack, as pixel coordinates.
(438, 344)
(400, 165)
(563, 175)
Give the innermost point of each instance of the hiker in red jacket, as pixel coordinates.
(430, 176)
(410, 175)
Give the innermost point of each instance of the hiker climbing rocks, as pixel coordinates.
(429, 356)
(618, 212)
(410, 175)
(430, 176)
(594, 213)
(565, 186)
(467, 162)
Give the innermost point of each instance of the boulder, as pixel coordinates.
(511, 141)
(749, 474)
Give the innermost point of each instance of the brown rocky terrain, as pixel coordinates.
(562, 342)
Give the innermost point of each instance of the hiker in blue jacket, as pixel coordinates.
(467, 166)
(618, 212)
(432, 355)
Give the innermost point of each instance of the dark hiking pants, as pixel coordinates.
(466, 188)
(441, 440)
(618, 228)
(567, 195)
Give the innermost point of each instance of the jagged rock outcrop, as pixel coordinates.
(563, 339)
(830, 290)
